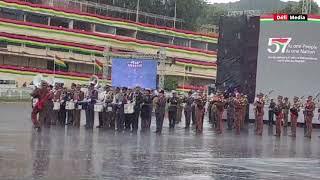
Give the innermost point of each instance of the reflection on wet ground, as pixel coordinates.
(71, 153)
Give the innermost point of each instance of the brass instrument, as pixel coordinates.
(37, 80)
(94, 80)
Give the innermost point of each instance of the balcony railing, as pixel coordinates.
(112, 11)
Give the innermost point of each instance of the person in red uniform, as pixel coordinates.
(309, 108)
(238, 112)
(279, 115)
(42, 106)
(200, 110)
(259, 112)
(220, 102)
(294, 113)
(78, 96)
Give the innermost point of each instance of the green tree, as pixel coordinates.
(297, 8)
(211, 15)
(170, 83)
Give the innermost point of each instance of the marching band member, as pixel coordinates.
(63, 100)
(70, 112)
(129, 116)
(286, 109)
(188, 109)
(160, 107)
(219, 102)
(238, 112)
(56, 99)
(138, 100)
(102, 114)
(231, 112)
(294, 113)
(179, 108)
(200, 101)
(118, 100)
(92, 96)
(109, 116)
(271, 112)
(309, 108)
(259, 112)
(279, 115)
(77, 97)
(173, 103)
(44, 95)
(146, 111)
(244, 103)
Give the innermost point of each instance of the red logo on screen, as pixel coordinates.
(278, 44)
(280, 17)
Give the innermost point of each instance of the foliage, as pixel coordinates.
(170, 83)
(297, 8)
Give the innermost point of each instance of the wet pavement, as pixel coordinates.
(72, 154)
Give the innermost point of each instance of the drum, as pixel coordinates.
(70, 105)
(109, 109)
(79, 107)
(56, 105)
(34, 101)
(129, 108)
(98, 107)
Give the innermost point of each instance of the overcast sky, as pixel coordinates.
(225, 1)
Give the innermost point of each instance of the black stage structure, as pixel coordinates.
(237, 54)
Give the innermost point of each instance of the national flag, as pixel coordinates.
(59, 62)
(98, 64)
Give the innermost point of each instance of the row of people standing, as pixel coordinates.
(236, 106)
(281, 110)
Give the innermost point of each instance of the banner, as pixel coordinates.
(134, 72)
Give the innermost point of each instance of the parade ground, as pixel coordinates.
(73, 154)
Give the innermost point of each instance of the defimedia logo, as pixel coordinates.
(277, 45)
(290, 17)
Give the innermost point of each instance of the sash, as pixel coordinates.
(40, 103)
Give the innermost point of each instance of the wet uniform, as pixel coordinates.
(294, 114)
(309, 108)
(160, 107)
(259, 115)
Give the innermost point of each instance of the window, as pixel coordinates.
(11, 14)
(181, 42)
(198, 44)
(105, 29)
(188, 68)
(212, 46)
(80, 25)
(153, 38)
(125, 32)
(59, 22)
(37, 18)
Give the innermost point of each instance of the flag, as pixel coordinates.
(59, 62)
(98, 65)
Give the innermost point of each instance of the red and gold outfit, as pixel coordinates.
(294, 113)
(219, 102)
(309, 108)
(259, 112)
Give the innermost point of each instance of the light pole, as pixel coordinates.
(162, 65)
(106, 54)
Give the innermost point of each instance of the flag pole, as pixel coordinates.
(94, 68)
(184, 77)
(54, 66)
